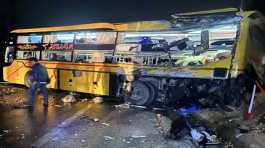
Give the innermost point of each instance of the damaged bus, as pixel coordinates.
(204, 57)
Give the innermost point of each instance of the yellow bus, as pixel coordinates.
(194, 57)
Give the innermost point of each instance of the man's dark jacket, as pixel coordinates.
(40, 73)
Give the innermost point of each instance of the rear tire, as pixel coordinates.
(142, 93)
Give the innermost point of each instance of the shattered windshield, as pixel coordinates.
(192, 41)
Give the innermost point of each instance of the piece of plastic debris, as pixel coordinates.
(69, 98)
(158, 109)
(238, 135)
(197, 136)
(83, 140)
(186, 111)
(57, 105)
(96, 119)
(98, 100)
(22, 136)
(138, 106)
(75, 134)
(84, 100)
(105, 124)
(125, 106)
(5, 131)
(138, 136)
(108, 138)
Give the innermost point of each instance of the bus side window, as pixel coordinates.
(9, 55)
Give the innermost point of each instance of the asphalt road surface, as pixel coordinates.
(80, 124)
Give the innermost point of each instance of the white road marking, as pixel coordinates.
(50, 135)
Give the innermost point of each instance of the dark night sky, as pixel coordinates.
(34, 13)
(61, 12)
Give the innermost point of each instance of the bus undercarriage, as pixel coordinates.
(169, 91)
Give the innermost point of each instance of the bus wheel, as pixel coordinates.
(27, 80)
(142, 93)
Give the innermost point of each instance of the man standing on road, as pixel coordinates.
(39, 78)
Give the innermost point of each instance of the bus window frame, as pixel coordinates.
(41, 44)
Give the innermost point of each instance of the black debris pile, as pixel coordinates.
(200, 134)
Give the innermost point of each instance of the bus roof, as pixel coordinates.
(144, 26)
(67, 28)
(225, 10)
(131, 26)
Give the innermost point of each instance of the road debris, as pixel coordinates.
(6, 131)
(108, 138)
(158, 109)
(138, 106)
(89, 118)
(22, 136)
(138, 136)
(96, 119)
(122, 106)
(69, 98)
(84, 100)
(163, 124)
(59, 106)
(105, 124)
(98, 100)
(83, 140)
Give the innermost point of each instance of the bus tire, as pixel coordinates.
(142, 93)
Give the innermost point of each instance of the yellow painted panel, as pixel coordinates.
(53, 77)
(87, 82)
(101, 83)
(66, 80)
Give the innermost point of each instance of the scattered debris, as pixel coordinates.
(22, 136)
(84, 100)
(163, 124)
(138, 136)
(123, 106)
(138, 106)
(6, 131)
(105, 124)
(83, 140)
(181, 127)
(158, 109)
(69, 98)
(59, 106)
(98, 100)
(96, 119)
(107, 138)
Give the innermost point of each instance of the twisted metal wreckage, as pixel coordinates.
(205, 65)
